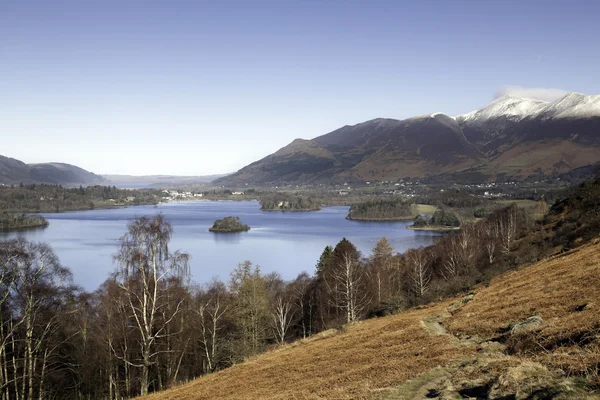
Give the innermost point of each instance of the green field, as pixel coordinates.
(426, 209)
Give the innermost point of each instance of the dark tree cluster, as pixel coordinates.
(10, 221)
(287, 202)
(454, 198)
(440, 218)
(229, 225)
(384, 209)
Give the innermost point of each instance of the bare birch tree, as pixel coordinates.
(145, 267)
(211, 310)
(418, 260)
(282, 315)
(349, 286)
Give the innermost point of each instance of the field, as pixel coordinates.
(426, 209)
(455, 348)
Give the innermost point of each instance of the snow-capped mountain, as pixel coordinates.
(510, 138)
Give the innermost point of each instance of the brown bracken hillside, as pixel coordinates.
(533, 333)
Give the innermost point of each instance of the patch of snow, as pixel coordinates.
(515, 108)
(573, 105)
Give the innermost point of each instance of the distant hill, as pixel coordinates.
(13, 171)
(511, 138)
(160, 181)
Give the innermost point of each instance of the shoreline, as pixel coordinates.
(434, 228)
(307, 210)
(407, 219)
(24, 228)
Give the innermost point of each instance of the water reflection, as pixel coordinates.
(227, 238)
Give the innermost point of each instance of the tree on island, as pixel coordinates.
(229, 224)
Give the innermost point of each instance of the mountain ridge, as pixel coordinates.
(13, 171)
(534, 137)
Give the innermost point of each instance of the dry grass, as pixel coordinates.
(552, 289)
(372, 358)
(369, 357)
(564, 291)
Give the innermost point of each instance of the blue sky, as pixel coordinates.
(202, 87)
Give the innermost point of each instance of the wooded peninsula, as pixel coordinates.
(10, 222)
(55, 198)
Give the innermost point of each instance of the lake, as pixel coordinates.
(286, 242)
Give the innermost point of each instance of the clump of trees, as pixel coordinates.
(383, 210)
(229, 225)
(454, 198)
(439, 219)
(21, 221)
(286, 202)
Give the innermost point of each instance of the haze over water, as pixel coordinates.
(285, 242)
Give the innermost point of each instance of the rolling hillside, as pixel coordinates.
(14, 172)
(533, 333)
(511, 138)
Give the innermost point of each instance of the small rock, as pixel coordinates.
(530, 323)
(467, 298)
(455, 305)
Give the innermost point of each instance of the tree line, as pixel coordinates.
(149, 326)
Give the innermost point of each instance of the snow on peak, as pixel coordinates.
(573, 105)
(442, 114)
(515, 108)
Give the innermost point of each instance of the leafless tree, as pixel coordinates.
(145, 267)
(349, 287)
(282, 315)
(418, 260)
(507, 227)
(211, 311)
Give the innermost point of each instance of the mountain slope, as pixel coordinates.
(487, 347)
(524, 137)
(298, 161)
(374, 149)
(512, 137)
(14, 171)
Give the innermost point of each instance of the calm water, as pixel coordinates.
(288, 243)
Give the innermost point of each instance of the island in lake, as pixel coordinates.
(229, 225)
(16, 221)
(285, 202)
